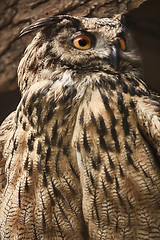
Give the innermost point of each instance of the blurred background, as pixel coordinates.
(144, 22)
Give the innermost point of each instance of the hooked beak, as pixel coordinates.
(114, 57)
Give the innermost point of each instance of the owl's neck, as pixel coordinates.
(84, 84)
(69, 89)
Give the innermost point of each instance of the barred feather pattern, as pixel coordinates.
(82, 149)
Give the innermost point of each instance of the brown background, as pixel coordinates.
(16, 14)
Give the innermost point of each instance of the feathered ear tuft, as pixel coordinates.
(40, 24)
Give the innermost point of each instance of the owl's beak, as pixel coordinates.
(114, 57)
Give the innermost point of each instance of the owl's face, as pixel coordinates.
(82, 46)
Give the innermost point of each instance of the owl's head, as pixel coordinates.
(77, 46)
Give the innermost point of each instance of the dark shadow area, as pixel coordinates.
(145, 24)
(8, 103)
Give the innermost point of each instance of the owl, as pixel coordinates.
(79, 157)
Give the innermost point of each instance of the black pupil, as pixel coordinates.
(82, 42)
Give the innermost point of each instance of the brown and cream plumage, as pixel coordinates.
(81, 151)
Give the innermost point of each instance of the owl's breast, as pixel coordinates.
(118, 171)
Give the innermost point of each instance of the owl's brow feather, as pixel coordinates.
(43, 22)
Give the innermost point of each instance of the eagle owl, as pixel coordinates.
(80, 155)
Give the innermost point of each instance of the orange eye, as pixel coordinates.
(123, 44)
(82, 42)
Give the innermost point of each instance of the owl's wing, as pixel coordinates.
(5, 130)
(148, 116)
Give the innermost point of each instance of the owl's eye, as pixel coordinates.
(82, 42)
(122, 43)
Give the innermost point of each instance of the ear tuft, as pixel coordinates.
(43, 22)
